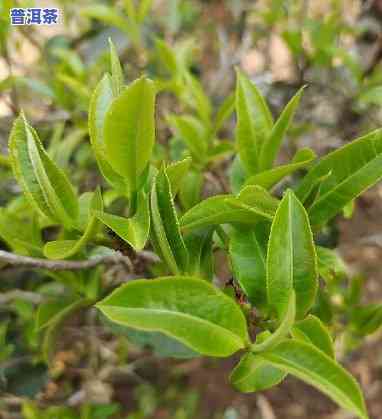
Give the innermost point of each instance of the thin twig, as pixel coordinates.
(63, 265)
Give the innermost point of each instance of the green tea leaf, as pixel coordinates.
(269, 178)
(166, 231)
(253, 373)
(354, 168)
(248, 251)
(291, 261)
(254, 123)
(135, 230)
(45, 185)
(193, 133)
(282, 331)
(273, 143)
(330, 264)
(187, 309)
(222, 209)
(224, 112)
(107, 15)
(258, 197)
(319, 370)
(367, 319)
(313, 331)
(129, 131)
(176, 173)
(199, 247)
(191, 189)
(99, 104)
(117, 78)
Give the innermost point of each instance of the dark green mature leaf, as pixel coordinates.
(135, 230)
(272, 145)
(222, 209)
(313, 331)
(100, 102)
(313, 366)
(291, 261)
(269, 178)
(354, 168)
(254, 123)
(166, 231)
(184, 308)
(248, 252)
(129, 130)
(253, 373)
(46, 186)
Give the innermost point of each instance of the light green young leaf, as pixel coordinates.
(191, 189)
(273, 143)
(222, 209)
(354, 168)
(166, 231)
(195, 96)
(313, 331)
(330, 264)
(117, 78)
(45, 186)
(224, 112)
(248, 251)
(167, 56)
(291, 260)
(253, 373)
(316, 368)
(254, 123)
(187, 309)
(193, 133)
(199, 247)
(282, 331)
(129, 130)
(135, 230)
(269, 178)
(63, 249)
(99, 104)
(176, 173)
(258, 197)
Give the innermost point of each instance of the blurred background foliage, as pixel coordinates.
(190, 48)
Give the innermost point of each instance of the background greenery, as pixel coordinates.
(332, 47)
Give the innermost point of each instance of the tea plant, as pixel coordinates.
(274, 310)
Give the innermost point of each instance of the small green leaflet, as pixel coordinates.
(248, 251)
(291, 260)
(129, 131)
(313, 331)
(135, 230)
(272, 144)
(117, 78)
(254, 123)
(253, 373)
(187, 309)
(44, 184)
(316, 368)
(353, 169)
(99, 104)
(165, 225)
(271, 177)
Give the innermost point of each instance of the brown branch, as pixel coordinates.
(64, 265)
